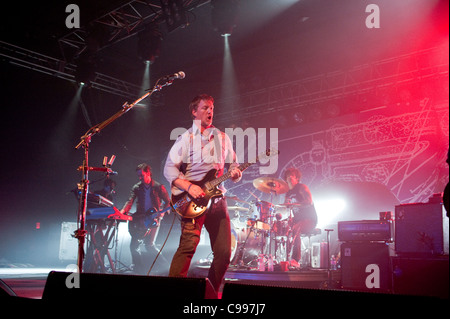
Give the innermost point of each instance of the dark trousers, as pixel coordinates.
(217, 223)
(300, 227)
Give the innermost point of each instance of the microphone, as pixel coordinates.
(180, 75)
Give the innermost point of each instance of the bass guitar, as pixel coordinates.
(142, 223)
(188, 207)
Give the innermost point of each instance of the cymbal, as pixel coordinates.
(271, 185)
(238, 208)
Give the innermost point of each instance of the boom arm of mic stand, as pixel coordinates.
(125, 108)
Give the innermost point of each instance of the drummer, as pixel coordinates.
(304, 218)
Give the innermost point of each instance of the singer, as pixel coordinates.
(184, 176)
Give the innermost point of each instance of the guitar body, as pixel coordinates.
(188, 207)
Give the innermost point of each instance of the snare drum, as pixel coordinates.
(281, 227)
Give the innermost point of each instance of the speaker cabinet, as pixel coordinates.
(421, 276)
(366, 266)
(289, 300)
(421, 230)
(70, 286)
(5, 290)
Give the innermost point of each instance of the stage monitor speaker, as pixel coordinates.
(366, 266)
(88, 286)
(5, 290)
(421, 276)
(421, 230)
(265, 292)
(287, 301)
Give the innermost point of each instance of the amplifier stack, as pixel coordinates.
(365, 261)
(406, 253)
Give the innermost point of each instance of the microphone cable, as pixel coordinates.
(165, 241)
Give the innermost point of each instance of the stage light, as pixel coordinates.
(328, 210)
(149, 43)
(145, 85)
(229, 81)
(174, 14)
(224, 16)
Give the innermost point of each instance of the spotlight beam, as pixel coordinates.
(229, 81)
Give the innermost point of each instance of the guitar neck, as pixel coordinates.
(227, 175)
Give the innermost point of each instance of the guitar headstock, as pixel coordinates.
(267, 153)
(272, 152)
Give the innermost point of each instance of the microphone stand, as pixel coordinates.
(81, 232)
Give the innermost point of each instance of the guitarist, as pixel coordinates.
(148, 194)
(190, 159)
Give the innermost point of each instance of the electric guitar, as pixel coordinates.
(188, 207)
(142, 223)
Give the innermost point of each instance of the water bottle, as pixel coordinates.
(261, 263)
(333, 263)
(270, 263)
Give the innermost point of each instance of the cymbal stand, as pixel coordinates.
(81, 232)
(329, 282)
(240, 260)
(271, 210)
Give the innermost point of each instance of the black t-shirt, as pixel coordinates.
(307, 212)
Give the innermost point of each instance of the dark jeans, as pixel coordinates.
(217, 223)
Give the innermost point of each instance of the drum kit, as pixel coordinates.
(263, 229)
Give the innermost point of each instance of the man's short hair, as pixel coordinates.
(144, 167)
(292, 171)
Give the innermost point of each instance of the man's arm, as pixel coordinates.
(126, 208)
(306, 194)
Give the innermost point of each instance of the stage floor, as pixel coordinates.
(30, 282)
(305, 278)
